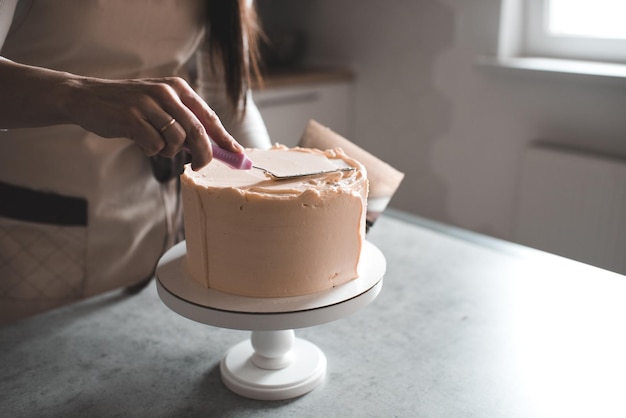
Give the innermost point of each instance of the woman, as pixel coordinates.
(95, 111)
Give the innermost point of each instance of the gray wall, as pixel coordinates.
(457, 129)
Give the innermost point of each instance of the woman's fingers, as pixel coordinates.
(176, 124)
(209, 119)
(174, 136)
(199, 121)
(161, 115)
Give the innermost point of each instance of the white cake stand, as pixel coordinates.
(272, 364)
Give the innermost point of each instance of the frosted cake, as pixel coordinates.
(253, 236)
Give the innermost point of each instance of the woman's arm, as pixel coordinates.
(140, 110)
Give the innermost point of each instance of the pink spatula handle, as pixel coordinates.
(238, 160)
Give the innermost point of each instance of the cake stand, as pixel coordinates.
(272, 364)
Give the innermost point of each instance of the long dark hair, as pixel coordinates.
(233, 34)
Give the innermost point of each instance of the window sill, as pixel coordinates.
(559, 66)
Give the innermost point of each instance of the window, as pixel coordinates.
(592, 30)
(592, 19)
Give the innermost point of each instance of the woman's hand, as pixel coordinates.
(160, 115)
(141, 110)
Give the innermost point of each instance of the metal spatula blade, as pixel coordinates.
(240, 161)
(300, 175)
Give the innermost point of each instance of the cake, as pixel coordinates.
(250, 235)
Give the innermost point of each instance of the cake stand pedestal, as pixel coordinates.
(273, 364)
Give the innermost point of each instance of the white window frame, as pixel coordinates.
(538, 42)
(524, 34)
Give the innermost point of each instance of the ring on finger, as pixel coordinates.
(167, 125)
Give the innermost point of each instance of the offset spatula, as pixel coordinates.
(241, 161)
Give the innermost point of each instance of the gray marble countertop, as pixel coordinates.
(465, 326)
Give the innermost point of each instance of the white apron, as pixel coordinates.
(115, 219)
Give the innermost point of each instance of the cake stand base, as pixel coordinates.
(244, 374)
(272, 364)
